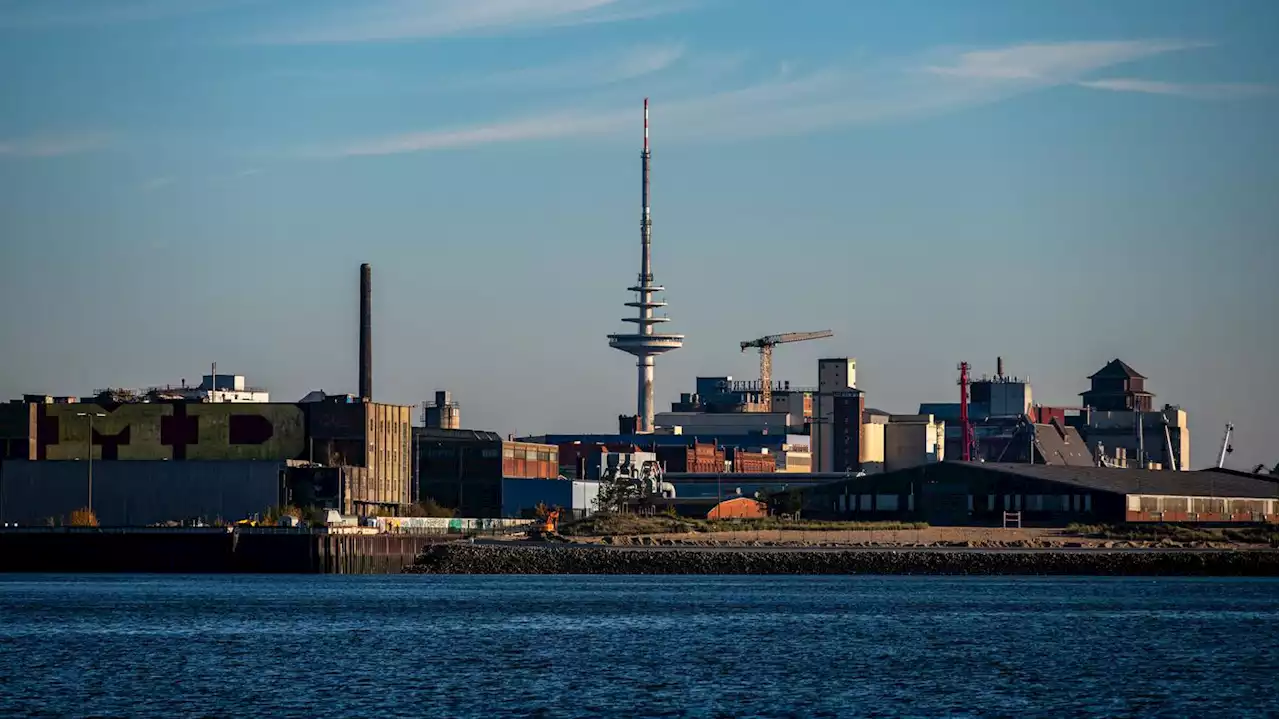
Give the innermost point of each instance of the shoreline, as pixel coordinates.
(578, 559)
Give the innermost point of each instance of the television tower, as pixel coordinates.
(645, 344)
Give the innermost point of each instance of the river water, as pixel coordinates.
(567, 646)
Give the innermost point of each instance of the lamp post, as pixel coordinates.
(89, 455)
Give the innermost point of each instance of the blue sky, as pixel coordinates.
(1060, 183)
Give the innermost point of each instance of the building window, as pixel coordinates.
(864, 502)
(889, 502)
(991, 502)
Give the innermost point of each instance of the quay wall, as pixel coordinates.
(214, 551)
(488, 559)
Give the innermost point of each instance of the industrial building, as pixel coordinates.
(696, 485)
(724, 395)
(980, 494)
(521, 498)
(1117, 387)
(464, 469)
(1002, 413)
(443, 413)
(837, 422)
(369, 441)
(911, 440)
(727, 423)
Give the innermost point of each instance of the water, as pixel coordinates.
(636, 646)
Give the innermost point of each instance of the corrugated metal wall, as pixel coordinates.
(134, 493)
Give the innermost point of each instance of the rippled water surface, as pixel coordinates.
(462, 646)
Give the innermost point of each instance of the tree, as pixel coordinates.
(616, 491)
(788, 501)
(429, 507)
(83, 517)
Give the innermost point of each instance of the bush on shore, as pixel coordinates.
(83, 517)
(1252, 534)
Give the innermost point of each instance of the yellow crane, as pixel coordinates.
(766, 345)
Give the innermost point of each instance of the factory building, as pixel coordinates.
(522, 497)
(223, 388)
(734, 423)
(724, 395)
(837, 422)
(368, 441)
(443, 413)
(979, 494)
(1117, 387)
(794, 456)
(911, 440)
(697, 457)
(140, 492)
(1158, 440)
(1005, 417)
(464, 469)
(746, 461)
(871, 448)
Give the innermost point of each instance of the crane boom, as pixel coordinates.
(788, 337)
(766, 345)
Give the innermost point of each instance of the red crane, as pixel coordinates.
(966, 429)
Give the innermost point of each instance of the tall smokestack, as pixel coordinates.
(1000, 367)
(366, 333)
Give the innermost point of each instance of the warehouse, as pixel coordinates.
(574, 497)
(464, 469)
(139, 492)
(979, 494)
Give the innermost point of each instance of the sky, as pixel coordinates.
(1059, 183)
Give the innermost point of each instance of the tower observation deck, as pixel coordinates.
(645, 344)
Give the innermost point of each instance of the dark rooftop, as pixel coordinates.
(1061, 445)
(456, 435)
(1117, 368)
(1145, 481)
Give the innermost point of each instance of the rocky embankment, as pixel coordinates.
(491, 559)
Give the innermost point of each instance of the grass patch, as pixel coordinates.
(599, 525)
(1253, 534)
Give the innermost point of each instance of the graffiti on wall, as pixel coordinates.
(159, 431)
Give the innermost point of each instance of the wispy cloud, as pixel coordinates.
(588, 71)
(249, 172)
(1053, 62)
(386, 20)
(1195, 91)
(791, 102)
(543, 127)
(46, 13)
(52, 145)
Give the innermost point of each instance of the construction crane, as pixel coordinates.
(766, 345)
(1226, 445)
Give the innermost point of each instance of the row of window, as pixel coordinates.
(989, 502)
(531, 454)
